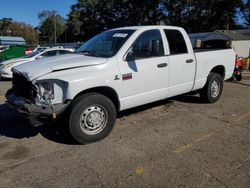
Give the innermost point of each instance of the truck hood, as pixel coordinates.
(45, 66)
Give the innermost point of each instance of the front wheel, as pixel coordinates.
(213, 88)
(92, 118)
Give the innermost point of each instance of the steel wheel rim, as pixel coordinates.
(215, 88)
(93, 119)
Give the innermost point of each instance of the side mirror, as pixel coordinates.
(130, 55)
(39, 57)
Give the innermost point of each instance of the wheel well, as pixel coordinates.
(219, 70)
(106, 91)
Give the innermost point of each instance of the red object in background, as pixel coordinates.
(238, 69)
(239, 62)
(28, 51)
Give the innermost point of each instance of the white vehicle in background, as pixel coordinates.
(2, 48)
(40, 48)
(39, 53)
(29, 51)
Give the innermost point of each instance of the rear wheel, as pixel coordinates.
(92, 118)
(238, 77)
(213, 88)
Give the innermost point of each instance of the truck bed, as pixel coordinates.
(210, 58)
(197, 50)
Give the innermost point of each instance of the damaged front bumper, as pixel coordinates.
(37, 115)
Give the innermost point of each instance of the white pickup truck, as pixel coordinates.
(116, 70)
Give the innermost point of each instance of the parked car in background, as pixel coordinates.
(2, 48)
(40, 53)
(28, 51)
(39, 48)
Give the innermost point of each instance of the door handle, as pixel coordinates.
(162, 65)
(189, 61)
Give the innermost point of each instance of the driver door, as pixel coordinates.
(144, 71)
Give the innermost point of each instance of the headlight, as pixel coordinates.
(9, 65)
(47, 87)
(45, 93)
(50, 92)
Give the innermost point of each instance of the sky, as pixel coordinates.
(27, 10)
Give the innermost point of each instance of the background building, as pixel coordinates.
(196, 38)
(7, 41)
(239, 40)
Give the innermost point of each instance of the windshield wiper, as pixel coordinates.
(88, 52)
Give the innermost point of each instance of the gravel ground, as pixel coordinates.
(180, 142)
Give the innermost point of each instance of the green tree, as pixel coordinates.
(51, 27)
(9, 27)
(201, 15)
(26, 31)
(74, 25)
(245, 10)
(4, 26)
(89, 17)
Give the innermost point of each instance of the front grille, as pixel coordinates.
(22, 87)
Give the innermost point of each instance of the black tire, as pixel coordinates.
(238, 77)
(193, 92)
(207, 93)
(231, 79)
(90, 109)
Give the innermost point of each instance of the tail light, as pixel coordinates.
(28, 51)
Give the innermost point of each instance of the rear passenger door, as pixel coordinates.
(182, 63)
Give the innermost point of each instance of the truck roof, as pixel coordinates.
(148, 27)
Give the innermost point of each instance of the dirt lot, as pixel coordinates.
(179, 142)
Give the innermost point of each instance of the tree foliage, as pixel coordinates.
(51, 27)
(245, 8)
(88, 17)
(8, 27)
(201, 15)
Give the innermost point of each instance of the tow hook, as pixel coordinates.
(46, 102)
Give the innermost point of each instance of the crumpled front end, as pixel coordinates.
(37, 100)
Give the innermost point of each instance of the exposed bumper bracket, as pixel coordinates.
(34, 113)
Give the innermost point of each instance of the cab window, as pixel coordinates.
(177, 44)
(148, 44)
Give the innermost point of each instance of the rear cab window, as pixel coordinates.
(176, 41)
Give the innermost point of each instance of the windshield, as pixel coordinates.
(105, 44)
